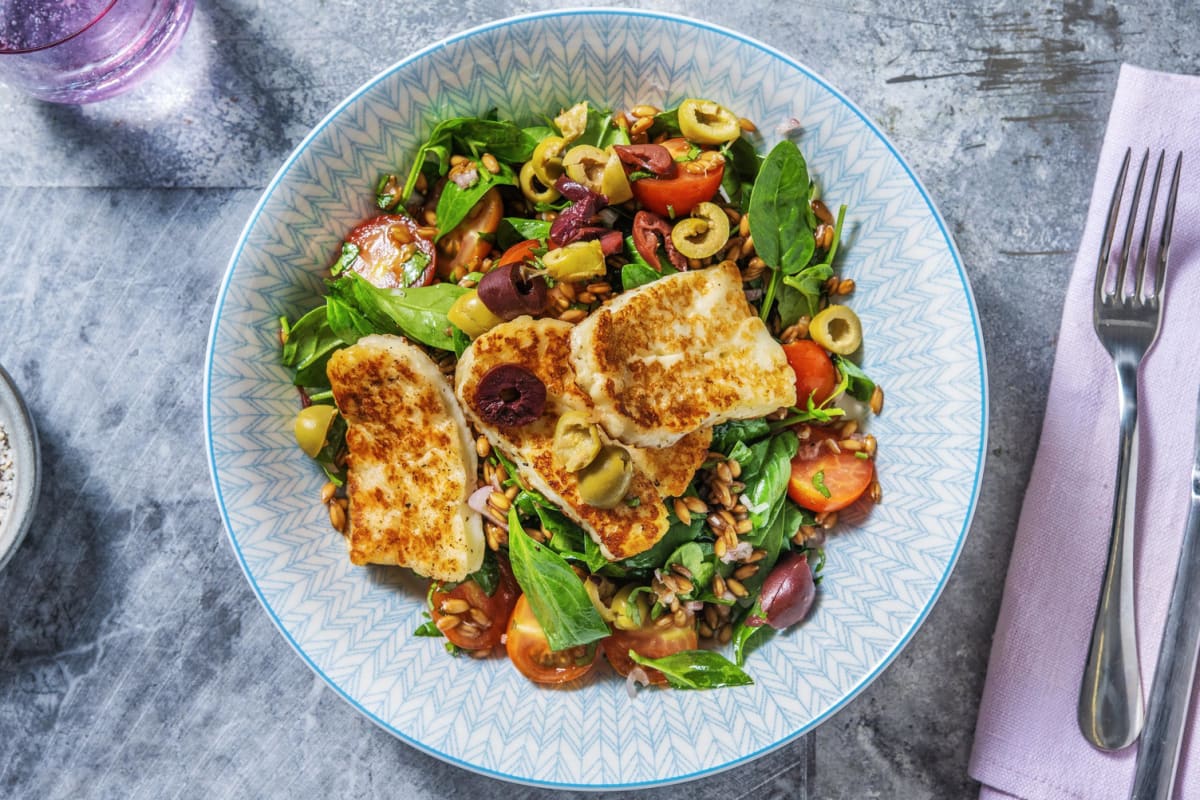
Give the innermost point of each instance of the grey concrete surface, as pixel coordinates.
(135, 661)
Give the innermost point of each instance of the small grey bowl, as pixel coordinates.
(27, 467)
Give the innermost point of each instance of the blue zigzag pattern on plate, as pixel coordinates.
(355, 626)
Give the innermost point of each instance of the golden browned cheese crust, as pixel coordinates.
(679, 354)
(543, 347)
(411, 463)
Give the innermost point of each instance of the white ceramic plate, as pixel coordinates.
(355, 626)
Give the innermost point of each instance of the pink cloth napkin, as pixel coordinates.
(1027, 743)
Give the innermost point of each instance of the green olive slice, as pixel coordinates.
(705, 122)
(837, 329)
(703, 234)
(576, 441)
(534, 188)
(471, 315)
(547, 159)
(312, 426)
(614, 184)
(604, 482)
(585, 164)
(575, 261)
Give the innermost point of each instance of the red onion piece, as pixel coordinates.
(788, 592)
(478, 501)
(635, 676)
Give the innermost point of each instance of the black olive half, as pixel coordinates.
(510, 395)
(508, 292)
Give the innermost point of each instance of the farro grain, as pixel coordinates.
(744, 226)
(718, 583)
(427, 232)
(455, 605)
(327, 492)
(745, 571)
(869, 444)
(747, 247)
(643, 110)
(877, 400)
(490, 163)
(830, 520)
(641, 125)
(681, 511)
(876, 492)
(725, 634)
(337, 517)
(735, 586)
(573, 315)
(500, 502)
(704, 630)
(483, 448)
(695, 505)
(664, 621)
(744, 526)
(846, 286)
(756, 555)
(447, 622)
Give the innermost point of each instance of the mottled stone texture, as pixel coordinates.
(134, 659)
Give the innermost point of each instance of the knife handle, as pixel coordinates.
(1158, 751)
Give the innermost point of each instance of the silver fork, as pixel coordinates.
(1110, 699)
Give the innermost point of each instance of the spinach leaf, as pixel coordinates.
(676, 535)
(594, 560)
(565, 536)
(666, 122)
(600, 130)
(727, 434)
(539, 132)
(418, 312)
(634, 275)
(488, 574)
(696, 669)
(743, 633)
(516, 229)
(769, 486)
(858, 385)
(505, 140)
(778, 222)
(460, 341)
(698, 559)
(555, 593)
(456, 202)
(345, 322)
(742, 163)
(809, 283)
(787, 519)
(310, 343)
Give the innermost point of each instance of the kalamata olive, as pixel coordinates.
(611, 240)
(648, 157)
(508, 292)
(585, 203)
(648, 227)
(510, 395)
(787, 593)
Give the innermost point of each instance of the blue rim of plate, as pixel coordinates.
(975, 324)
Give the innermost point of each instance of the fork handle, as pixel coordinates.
(1110, 699)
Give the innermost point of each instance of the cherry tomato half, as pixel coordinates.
(844, 475)
(470, 241)
(531, 654)
(519, 252)
(676, 196)
(648, 641)
(471, 632)
(391, 255)
(815, 374)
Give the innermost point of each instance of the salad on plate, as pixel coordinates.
(593, 375)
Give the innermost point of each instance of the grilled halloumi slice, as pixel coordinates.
(412, 462)
(543, 347)
(679, 354)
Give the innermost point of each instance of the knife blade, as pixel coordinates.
(1167, 712)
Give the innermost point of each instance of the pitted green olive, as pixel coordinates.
(620, 608)
(575, 261)
(534, 188)
(572, 122)
(312, 426)
(705, 122)
(703, 234)
(471, 316)
(576, 441)
(604, 482)
(547, 159)
(837, 329)
(585, 164)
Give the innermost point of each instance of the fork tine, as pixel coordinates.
(1144, 244)
(1110, 224)
(1164, 243)
(1130, 223)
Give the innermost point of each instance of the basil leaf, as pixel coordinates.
(565, 536)
(696, 669)
(600, 131)
(858, 385)
(594, 560)
(460, 341)
(345, 260)
(666, 122)
(555, 593)
(778, 223)
(765, 490)
(516, 229)
(787, 519)
(818, 482)
(418, 312)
